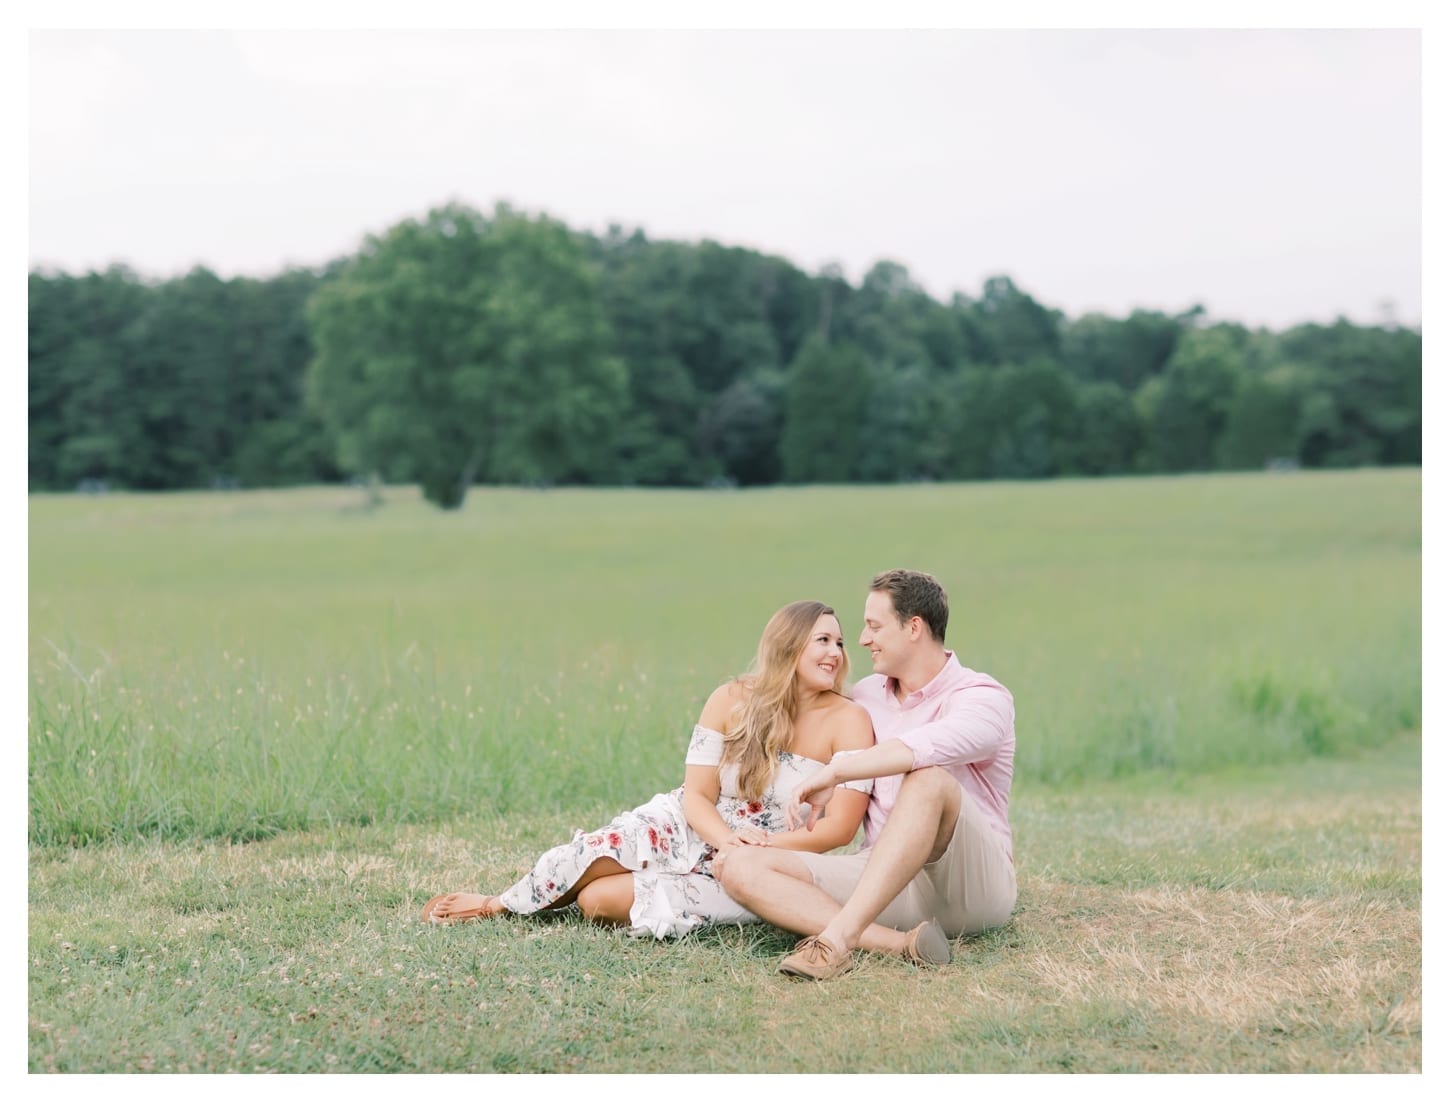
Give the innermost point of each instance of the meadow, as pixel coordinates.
(264, 726)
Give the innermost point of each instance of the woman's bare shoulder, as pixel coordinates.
(850, 724)
(724, 700)
(841, 704)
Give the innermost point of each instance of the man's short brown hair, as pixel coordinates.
(913, 593)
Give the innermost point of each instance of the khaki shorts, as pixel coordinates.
(970, 888)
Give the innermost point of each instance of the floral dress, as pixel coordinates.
(674, 892)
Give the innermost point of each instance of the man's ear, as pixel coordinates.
(915, 625)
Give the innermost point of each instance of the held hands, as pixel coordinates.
(813, 795)
(752, 836)
(745, 836)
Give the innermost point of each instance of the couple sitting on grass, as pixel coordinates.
(783, 766)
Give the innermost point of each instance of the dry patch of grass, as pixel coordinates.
(1284, 984)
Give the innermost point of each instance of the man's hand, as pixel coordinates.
(815, 792)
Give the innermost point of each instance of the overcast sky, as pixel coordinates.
(1271, 176)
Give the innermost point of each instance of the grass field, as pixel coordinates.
(264, 726)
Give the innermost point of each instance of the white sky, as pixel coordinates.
(1273, 176)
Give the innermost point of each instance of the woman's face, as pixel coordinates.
(821, 660)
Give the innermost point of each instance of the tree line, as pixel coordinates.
(466, 347)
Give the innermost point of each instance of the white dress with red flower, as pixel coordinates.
(674, 892)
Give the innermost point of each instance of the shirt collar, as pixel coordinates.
(935, 687)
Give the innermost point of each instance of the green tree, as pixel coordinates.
(1190, 403)
(643, 294)
(825, 394)
(458, 347)
(1013, 421)
(898, 442)
(1127, 352)
(692, 321)
(279, 441)
(82, 398)
(1109, 434)
(190, 382)
(964, 424)
(1263, 422)
(897, 324)
(1007, 325)
(1034, 413)
(1371, 380)
(179, 363)
(657, 442)
(741, 429)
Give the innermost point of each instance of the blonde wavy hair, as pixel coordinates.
(761, 727)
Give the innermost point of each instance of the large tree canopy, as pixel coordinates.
(461, 347)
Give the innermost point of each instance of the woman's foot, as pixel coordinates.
(461, 907)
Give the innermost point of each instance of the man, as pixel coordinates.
(937, 855)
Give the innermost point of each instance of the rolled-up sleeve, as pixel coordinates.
(977, 724)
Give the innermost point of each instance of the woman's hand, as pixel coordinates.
(746, 836)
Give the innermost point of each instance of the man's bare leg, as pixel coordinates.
(778, 887)
(917, 832)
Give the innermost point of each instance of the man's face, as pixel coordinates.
(888, 640)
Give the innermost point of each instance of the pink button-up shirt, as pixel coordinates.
(962, 721)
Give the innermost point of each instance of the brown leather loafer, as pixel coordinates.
(815, 959)
(927, 946)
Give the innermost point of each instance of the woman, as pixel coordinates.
(758, 737)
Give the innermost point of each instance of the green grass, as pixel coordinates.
(264, 727)
(1264, 922)
(236, 665)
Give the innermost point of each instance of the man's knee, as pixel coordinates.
(934, 792)
(931, 782)
(736, 868)
(739, 869)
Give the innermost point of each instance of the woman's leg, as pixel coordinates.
(462, 907)
(601, 870)
(607, 899)
(630, 841)
(541, 886)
